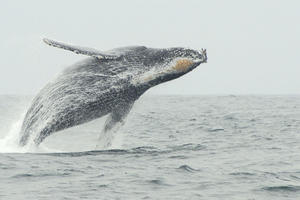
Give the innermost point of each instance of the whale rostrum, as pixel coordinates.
(105, 83)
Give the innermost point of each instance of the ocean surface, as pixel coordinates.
(171, 147)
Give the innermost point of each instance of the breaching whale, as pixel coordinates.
(108, 82)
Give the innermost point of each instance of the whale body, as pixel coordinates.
(107, 82)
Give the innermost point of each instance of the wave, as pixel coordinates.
(28, 175)
(143, 150)
(187, 168)
(283, 188)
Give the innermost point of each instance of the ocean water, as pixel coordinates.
(171, 147)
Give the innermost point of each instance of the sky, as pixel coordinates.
(253, 46)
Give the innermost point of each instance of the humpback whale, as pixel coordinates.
(105, 83)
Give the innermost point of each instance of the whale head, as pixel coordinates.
(183, 60)
(167, 64)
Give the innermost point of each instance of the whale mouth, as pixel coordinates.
(183, 65)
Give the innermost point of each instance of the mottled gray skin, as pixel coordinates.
(105, 83)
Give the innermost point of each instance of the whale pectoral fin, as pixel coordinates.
(80, 50)
(112, 124)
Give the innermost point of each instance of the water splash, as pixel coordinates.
(10, 142)
(111, 139)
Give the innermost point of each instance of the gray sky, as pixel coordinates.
(253, 46)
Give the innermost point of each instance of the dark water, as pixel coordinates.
(172, 147)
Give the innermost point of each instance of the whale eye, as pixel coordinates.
(182, 65)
